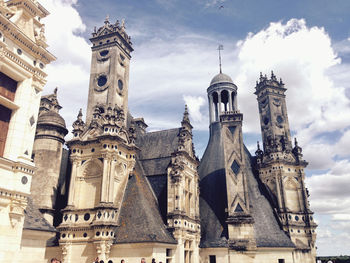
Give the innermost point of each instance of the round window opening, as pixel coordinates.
(86, 216)
(104, 53)
(120, 84)
(24, 180)
(102, 80)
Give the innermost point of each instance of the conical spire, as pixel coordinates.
(78, 125)
(186, 123)
(186, 115)
(259, 153)
(80, 114)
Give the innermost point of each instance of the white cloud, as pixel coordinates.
(330, 199)
(210, 3)
(343, 145)
(70, 72)
(300, 55)
(194, 104)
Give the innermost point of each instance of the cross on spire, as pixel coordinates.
(220, 47)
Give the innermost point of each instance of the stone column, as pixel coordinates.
(210, 97)
(105, 180)
(111, 180)
(230, 105)
(219, 102)
(235, 102)
(72, 182)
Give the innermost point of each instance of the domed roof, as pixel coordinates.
(221, 78)
(51, 118)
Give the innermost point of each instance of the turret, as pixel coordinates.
(109, 74)
(183, 194)
(223, 167)
(281, 167)
(273, 114)
(47, 155)
(103, 149)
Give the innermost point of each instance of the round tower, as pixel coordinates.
(222, 97)
(47, 155)
(223, 172)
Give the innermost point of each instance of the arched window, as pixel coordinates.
(224, 100)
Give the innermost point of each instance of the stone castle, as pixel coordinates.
(121, 192)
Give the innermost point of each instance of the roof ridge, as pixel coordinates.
(162, 130)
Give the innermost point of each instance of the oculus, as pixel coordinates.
(102, 80)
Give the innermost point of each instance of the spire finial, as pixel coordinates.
(221, 47)
(295, 141)
(258, 145)
(80, 114)
(55, 91)
(186, 117)
(107, 19)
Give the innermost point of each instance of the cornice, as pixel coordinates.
(30, 7)
(37, 74)
(12, 32)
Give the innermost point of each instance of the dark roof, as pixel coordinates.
(158, 144)
(267, 231)
(140, 219)
(156, 149)
(213, 201)
(34, 220)
(51, 118)
(221, 78)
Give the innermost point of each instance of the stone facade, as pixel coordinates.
(281, 168)
(23, 57)
(121, 192)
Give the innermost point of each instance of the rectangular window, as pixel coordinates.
(281, 260)
(8, 87)
(169, 254)
(212, 259)
(5, 116)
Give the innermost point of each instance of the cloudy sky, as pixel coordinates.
(306, 43)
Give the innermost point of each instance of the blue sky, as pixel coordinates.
(304, 42)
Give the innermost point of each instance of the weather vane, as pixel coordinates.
(221, 47)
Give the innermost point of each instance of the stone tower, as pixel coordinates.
(47, 155)
(102, 149)
(281, 167)
(183, 195)
(223, 167)
(109, 73)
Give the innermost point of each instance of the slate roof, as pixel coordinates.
(213, 201)
(221, 78)
(156, 149)
(155, 156)
(34, 220)
(140, 219)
